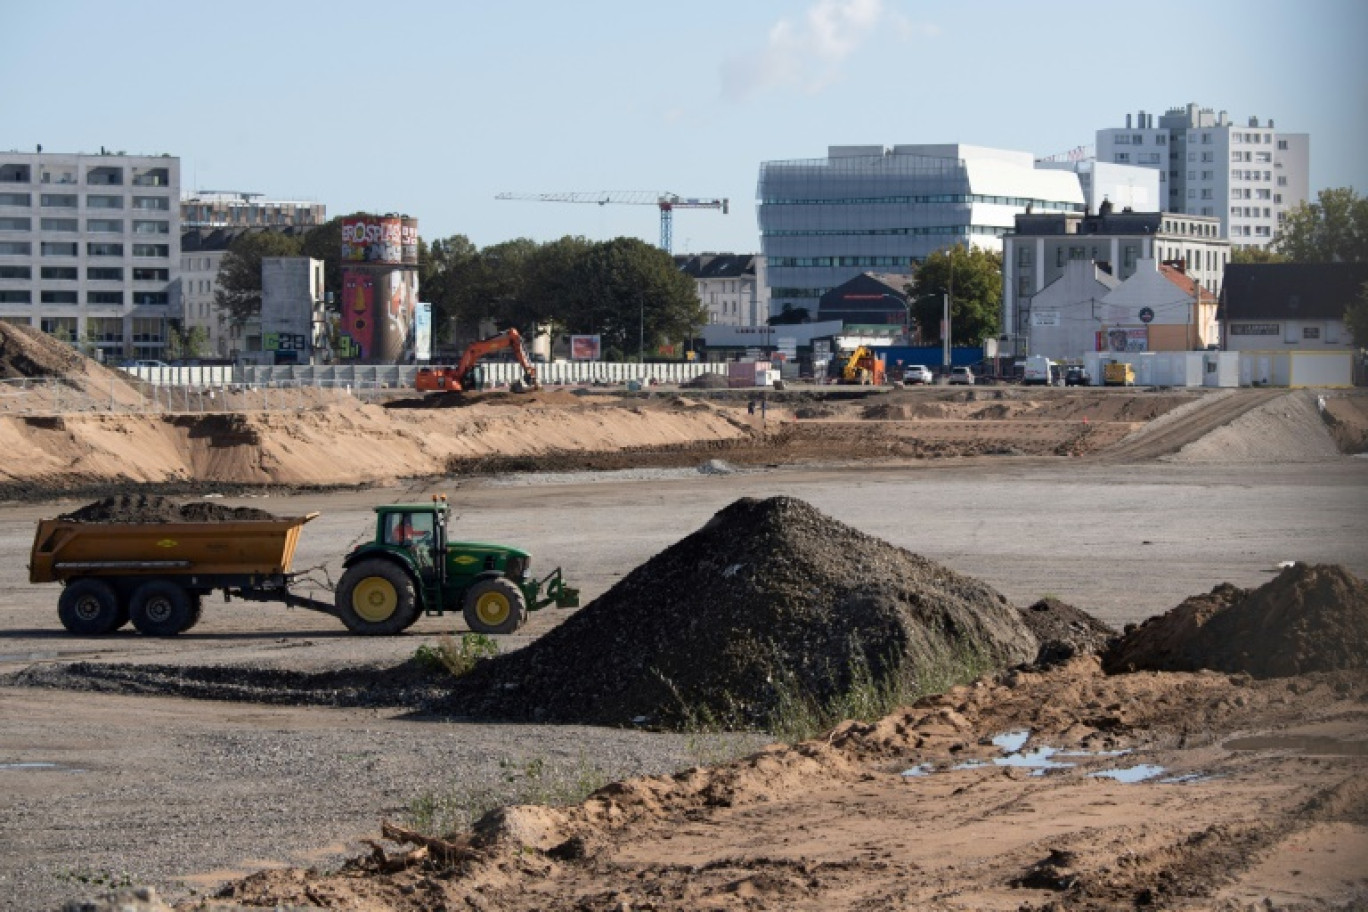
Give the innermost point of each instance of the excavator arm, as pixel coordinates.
(437, 378)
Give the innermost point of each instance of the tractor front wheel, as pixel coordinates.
(494, 606)
(377, 598)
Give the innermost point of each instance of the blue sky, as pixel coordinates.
(432, 108)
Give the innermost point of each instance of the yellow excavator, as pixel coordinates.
(455, 379)
(863, 367)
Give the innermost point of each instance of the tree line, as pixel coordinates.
(625, 291)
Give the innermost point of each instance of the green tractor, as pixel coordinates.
(411, 568)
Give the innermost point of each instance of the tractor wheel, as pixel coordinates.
(377, 598)
(494, 606)
(89, 607)
(160, 608)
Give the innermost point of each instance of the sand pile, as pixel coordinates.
(141, 508)
(771, 599)
(26, 352)
(1308, 619)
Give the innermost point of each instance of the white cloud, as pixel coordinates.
(806, 54)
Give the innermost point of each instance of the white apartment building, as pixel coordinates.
(731, 286)
(1247, 176)
(88, 248)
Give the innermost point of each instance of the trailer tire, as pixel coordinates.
(377, 598)
(160, 608)
(494, 606)
(196, 612)
(90, 607)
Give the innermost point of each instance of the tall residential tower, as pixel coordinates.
(1247, 176)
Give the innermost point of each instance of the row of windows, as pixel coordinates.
(94, 225)
(1237, 174)
(1251, 212)
(1251, 231)
(1261, 157)
(93, 201)
(886, 261)
(1254, 138)
(72, 248)
(1138, 139)
(93, 273)
(25, 296)
(781, 292)
(930, 230)
(955, 198)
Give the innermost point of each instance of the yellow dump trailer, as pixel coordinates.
(155, 574)
(1118, 373)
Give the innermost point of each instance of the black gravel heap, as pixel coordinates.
(143, 508)
(769, 599)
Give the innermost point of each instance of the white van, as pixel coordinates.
(1038, 371)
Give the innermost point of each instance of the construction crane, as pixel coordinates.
(666, 202)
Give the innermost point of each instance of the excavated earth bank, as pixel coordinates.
(1309, 618)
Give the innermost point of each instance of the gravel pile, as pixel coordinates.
(143, 508)
(771, 599)
(1310, 618)
(1065, 631)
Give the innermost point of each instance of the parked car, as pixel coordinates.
(962, 375)
(1077, 375)
(918, 373)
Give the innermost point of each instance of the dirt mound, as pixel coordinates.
(26, 352)
(771, 601)
(1065, 631)
(1308, 619)
(709, 380)
(142, 508)
(495, 397)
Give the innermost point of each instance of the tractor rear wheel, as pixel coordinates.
(494, 606)
(90, 607)
(377, 598)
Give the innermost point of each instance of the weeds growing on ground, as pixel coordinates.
(532, 781)
(457, 657)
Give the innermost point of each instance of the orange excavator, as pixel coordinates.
(454, 379)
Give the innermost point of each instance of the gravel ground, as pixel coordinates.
(165, 791)
(186, 793)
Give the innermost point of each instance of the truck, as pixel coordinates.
(157, 574)
(466, 375)
(1038, 371)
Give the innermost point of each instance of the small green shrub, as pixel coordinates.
(457, 657)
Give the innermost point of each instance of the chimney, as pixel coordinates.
(1128, 122)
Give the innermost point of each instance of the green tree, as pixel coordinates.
(239, 278)
(1356, 317)
(324, 242)
(631, 294)
(548, 294)
(973, 278)
(444, 272)
(1252, 254)
(1334, 229)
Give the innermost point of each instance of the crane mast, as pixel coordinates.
(667, 203)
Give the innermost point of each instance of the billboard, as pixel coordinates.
(380, 239)
(1123, 340)
(585, 348)
(422, 332)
